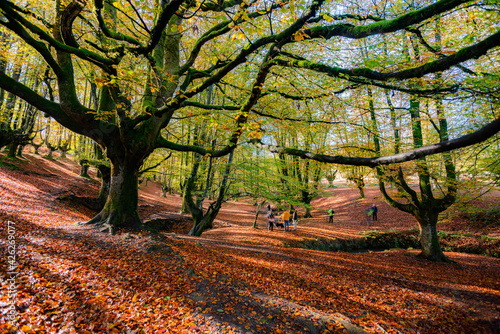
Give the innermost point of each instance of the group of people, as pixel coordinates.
(271, 219)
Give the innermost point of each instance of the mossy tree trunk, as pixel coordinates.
(429, 241)
(306, 199)
(12, 150)
(84, 168)
(120, 208)
(105, 172)
(204, 219)
(355, 175)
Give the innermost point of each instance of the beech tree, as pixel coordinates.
(151, 60)
(17, 118)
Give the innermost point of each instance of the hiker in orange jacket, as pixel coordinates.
(286, 220)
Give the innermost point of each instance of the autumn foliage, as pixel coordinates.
(233, 279)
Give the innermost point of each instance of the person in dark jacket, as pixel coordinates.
(374, 212)
(270, 221)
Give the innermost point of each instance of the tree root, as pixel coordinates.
(94, 221)
(104, 225)
(112, 221)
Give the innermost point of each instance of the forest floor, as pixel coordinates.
(68, 278)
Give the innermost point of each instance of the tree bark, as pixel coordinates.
(120, 209)
(12, 150)
(259, 206)
(429, 241)
(306, 199)
(202, 221)
(105, 172)
(84, 168)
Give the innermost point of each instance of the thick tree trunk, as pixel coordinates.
(306, 199)
(184, 206)
(259, 206)
(120, 210)
(431, 249)
(360, 184)
(361, 191)
(12, 150)
(307, 214)
(199, 222)
(203, 221)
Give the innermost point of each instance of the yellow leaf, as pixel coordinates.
(327, 18)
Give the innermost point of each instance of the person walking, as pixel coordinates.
(331, 212)
(286, 220)
(369, 214)
(374, 212)
(295, 218)
(270, 220)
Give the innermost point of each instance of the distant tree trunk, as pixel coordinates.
(331, 176)
(201, 220)
(164, 190)
(51, 148)
(357, 178)
(84, 168)
(36, 147)
(65, 146)
(20, 150)
(259, 206)
(307, 199)
(360, 184)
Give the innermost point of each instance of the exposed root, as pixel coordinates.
(94, 221)
(113, 221)
(107, 228)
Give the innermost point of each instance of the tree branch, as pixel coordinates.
(18, 24)
(476, 137)
(159, 27)
(106, 31)
(384, 26)
(439, 65)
